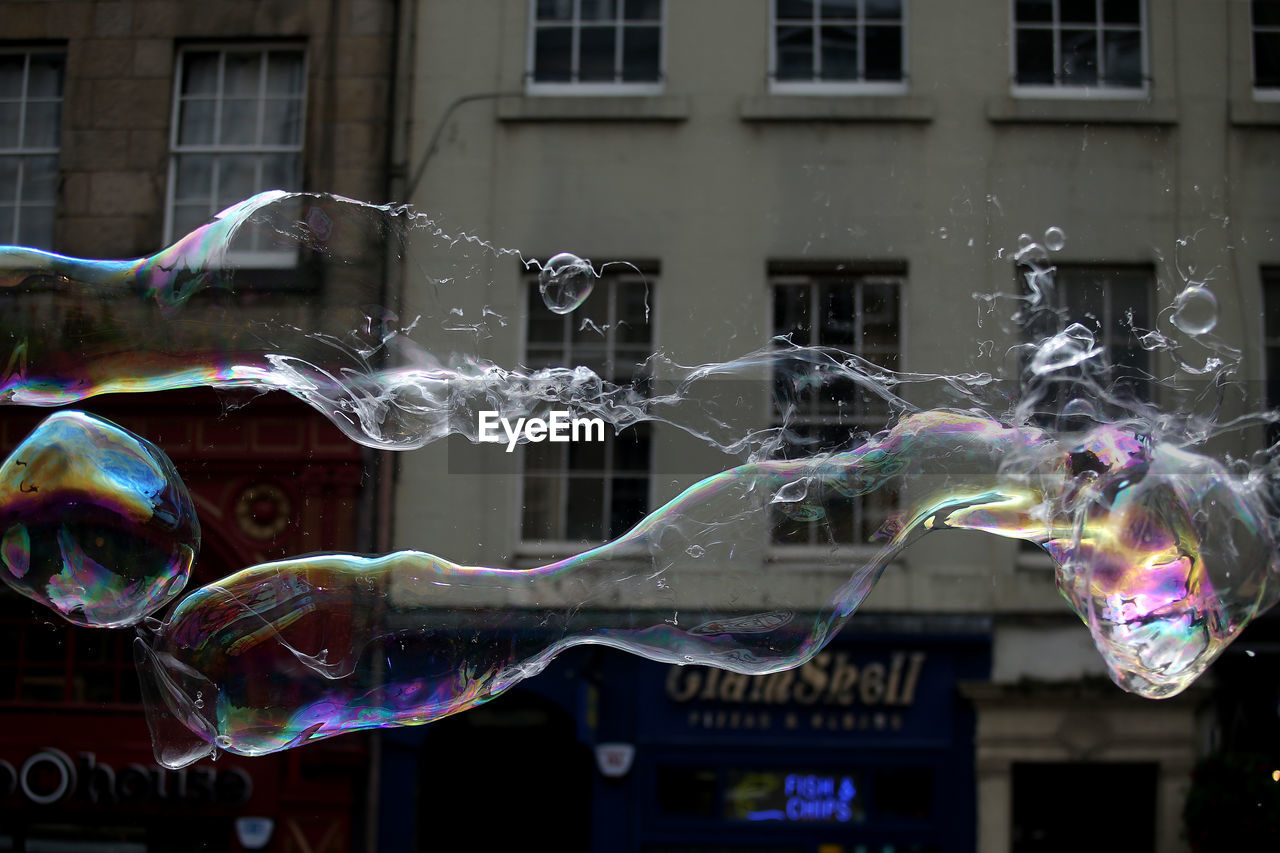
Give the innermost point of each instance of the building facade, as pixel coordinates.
(852, 175)
(126, 125)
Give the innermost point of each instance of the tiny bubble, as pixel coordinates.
(1054, 238)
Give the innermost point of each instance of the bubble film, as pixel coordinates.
(96, 523)
(1164, 551)
(1148, 544)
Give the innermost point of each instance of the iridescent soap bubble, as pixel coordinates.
(565, 282)
(96, 523)
(1055, 238)
(1164, 555)
(1195, 311)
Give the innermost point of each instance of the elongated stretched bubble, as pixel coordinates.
(1148, 544)
(94, 522)
(1164, 553)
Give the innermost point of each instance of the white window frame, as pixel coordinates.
(813, 280)
(836, 87)
(594, 87)
(21, 151)
(1057, 89)
(559, 544)
(1260, 93)
(1270, 280)
(259, 259)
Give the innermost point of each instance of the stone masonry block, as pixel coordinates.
(113, 20)
(95, 149)
(149, 151)
(131, 103)
(123, 193)
(98, 58)
(153, 57)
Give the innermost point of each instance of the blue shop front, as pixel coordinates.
(868, 748)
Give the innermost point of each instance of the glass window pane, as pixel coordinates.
(596, 53)
(44, 76)
(44, 121)
(643, 10)
(239, 124)
(35, 226)
(194, 178)
(836, 323)
(640, 49)
(1123, 57)
(9, 179)
(838, 10)
(1079, 51)
(11, 65)
(884, 10)
(791, 312)
(199, 73)
(552, 49)
(195, 125)
(1035, 57)
(633, 325)
(839, 53)
(9, 113)
(241, 75)
(545, 326)
(1266, 59)
(189, 217)
(795, 53)
(555, 10)
(237, 178)
(1033, 11)
(599, 10)
(584, 514)
(1078, 11)
(283, 122)
(542, 456)
(802, 9)
(1122, 11)
(631, 448)
(1266, 13)
(284, 73)
(541, 508)
(8, 220)
(281, 172)
(629, 505)
(40, 179)
(884, 53)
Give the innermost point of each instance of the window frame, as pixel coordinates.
(1098, 91)
(259, 259)
(617, 87)
(21, 152)
(813, 274)
(1260, 93)
(861, 86)
(560, 544)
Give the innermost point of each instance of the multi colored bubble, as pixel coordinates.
(1163, 553)
(97, 525)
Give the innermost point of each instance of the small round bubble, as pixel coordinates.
(1195, 311)
(1054, 238)
(565, 282)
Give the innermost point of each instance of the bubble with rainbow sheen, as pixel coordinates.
(95, 522)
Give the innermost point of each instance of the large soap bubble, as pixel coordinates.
(96, 524)
(1149, 543)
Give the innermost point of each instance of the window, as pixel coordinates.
(1266, 47)
(30, 130)
(1271, 341)
(1079, 44)
(1111, 302)
(238, 118)
(861, 315)
(590, 490)
(596, 46)
(820, 45)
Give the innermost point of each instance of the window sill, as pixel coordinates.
(1008, 109)
(836, 108)
(620, 108)
(1254, 113)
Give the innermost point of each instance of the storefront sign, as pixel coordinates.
(51, 777)
(829, 679)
